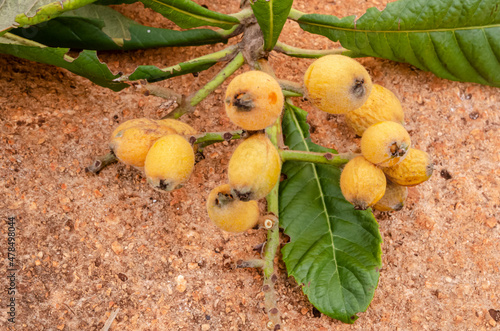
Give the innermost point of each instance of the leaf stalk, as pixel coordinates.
(321, 158)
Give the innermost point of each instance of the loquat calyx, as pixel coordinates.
(385, 143)
(254, 100)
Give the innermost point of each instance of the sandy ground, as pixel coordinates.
(89, 245)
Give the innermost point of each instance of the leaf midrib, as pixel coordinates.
(322, 197)
(203, 18)
(400, 31)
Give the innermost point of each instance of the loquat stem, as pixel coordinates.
(322, 158)
(164, 93)
(243, 14)
(101, 162)
(210, 138)
(263, 65)
(310, 53)
(289, 94)
(202, 93)
(255, 263)
(291, 86)
(295, 14)
(273, 240)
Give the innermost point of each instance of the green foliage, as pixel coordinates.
(271, 16)
(334, 250)
(29, 12)
(86, 64)
(455, 39)
(188, 14)
(155, 74)
(109, 30)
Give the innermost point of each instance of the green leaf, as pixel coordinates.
(271, 16)
(84, 32)
(455, 39)
(86, 64)
(188, 14)
(29, 12)
(155, 74)
(334, 250)
(116, 26)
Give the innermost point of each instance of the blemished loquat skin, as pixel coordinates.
(362, 183)
(393, 199)
(143, 122)
(180, 127)
(230, 214)
(337, 84)
(169, 162)
(131, 145)
(254, 168)
(382, 105)
(385, 144)
(254, 100)
(416, 168)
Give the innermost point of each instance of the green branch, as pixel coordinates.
(321, 158)
(295, 14)
(102, 162)
(310, 53)
(210, 138)
(243, 14)
(234, 65)
(292, 87)
(202, 93)
(273, 240)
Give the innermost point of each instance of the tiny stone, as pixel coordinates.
(181, 283)
(192, 266)
(474, 115)
(122, 277)
(205, 327)
(117, 248)
(448, 279)
(491, 222)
